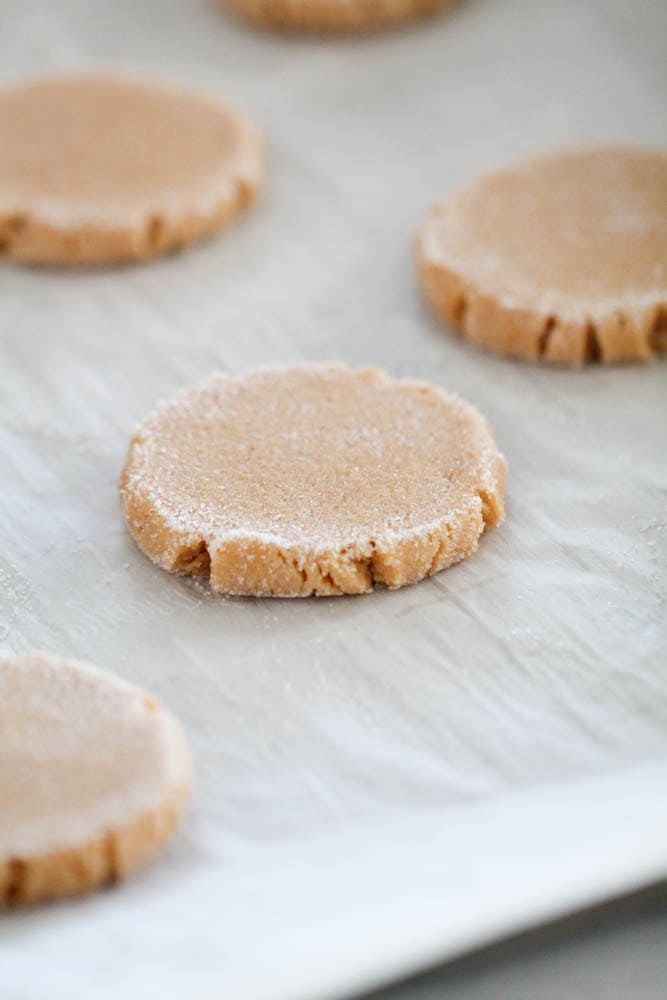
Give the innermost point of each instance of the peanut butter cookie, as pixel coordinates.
(311, 480)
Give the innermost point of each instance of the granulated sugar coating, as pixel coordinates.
(561, 258)
(93, 777)
(99, 169)
(311, 480)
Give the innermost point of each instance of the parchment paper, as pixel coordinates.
(387, 780)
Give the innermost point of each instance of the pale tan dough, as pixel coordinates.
(561, 258)
(93, 777)
(333, 15)
(301, 480)
(104, 169)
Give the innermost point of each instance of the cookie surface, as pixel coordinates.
(561, 258)
(99, 169)
(311, 480)
(93, 777)
(333, 15)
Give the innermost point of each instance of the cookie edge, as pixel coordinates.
(617, 335)
(334, 17)
(102, 860)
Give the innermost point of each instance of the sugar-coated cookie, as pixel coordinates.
(93, 777)
(333, 15)
(104, 169)
(561, 258)
(309, 479)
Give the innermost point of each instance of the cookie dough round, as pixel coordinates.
(333, 15)
(561, 258)
(301, 480)
(93, 777)
(103, 169)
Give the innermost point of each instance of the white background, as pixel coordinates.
(383, 780)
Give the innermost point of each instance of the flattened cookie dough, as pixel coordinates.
(333, 15)
(103, 169)
(93, 777)
(311, 480)
(561, 258)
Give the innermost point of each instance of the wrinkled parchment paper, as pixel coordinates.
(387, 780)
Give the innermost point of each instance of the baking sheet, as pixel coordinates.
(387, 780)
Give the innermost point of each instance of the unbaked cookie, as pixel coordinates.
(102, 169)
(561, 258)
(333, 15)
(311, 480)
(93, 777)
